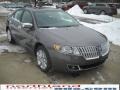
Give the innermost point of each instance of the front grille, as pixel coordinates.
(89, 52)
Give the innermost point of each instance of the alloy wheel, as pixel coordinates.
(42, 59)
(85, 11)
(102, 13)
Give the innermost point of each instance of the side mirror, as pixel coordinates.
(27, 25)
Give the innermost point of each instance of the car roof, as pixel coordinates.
(42, 9)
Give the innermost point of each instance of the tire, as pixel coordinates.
(85, 11)
(9, 37)
(102, 13)
(43, 59)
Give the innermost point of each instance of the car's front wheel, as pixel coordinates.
(43, 59)
(9, 37)
(85, 11)
(102, 13)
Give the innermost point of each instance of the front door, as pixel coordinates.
(28, 34)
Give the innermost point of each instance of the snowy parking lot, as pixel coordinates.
(109, 26)
(18, 66)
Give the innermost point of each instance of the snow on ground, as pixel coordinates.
(50, 6)
(6, 48)
(3, 11)
(3, 36)
(110, 29)
(118, 10)
(77, 11)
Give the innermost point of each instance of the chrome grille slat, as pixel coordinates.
(89, 52)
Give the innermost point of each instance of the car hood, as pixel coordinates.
(77, 35)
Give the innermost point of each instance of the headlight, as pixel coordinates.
(66, 49)
(105, 48)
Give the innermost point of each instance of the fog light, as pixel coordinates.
(73, 67)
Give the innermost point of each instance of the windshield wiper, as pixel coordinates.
(71, 26)
(44, 26)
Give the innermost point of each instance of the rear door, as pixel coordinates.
(92, 8)
(100, 8)
(15, 24)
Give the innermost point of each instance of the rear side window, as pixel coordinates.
(27, 17)
(18, 15)
(100, 5)
(92, 5)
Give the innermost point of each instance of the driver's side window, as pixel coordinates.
(27, 17)
(93, 5)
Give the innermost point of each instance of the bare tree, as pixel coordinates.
(35, 1)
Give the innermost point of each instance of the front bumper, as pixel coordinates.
(71, 63)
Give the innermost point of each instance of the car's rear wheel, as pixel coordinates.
(102, 13)
(9, 37)
(43, 59)
(85, 11)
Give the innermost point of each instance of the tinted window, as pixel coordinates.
(92, 5)
(18, 15)
(27, 17)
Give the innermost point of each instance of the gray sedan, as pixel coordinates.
(100, 8)
(57, 40)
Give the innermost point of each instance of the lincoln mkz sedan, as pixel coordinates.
(57, 39)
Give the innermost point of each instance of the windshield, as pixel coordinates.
(54, 18)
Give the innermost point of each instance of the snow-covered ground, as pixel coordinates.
(6, 48)
(110, 29)
(77, 11)
(4, 11)
(50, 6)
